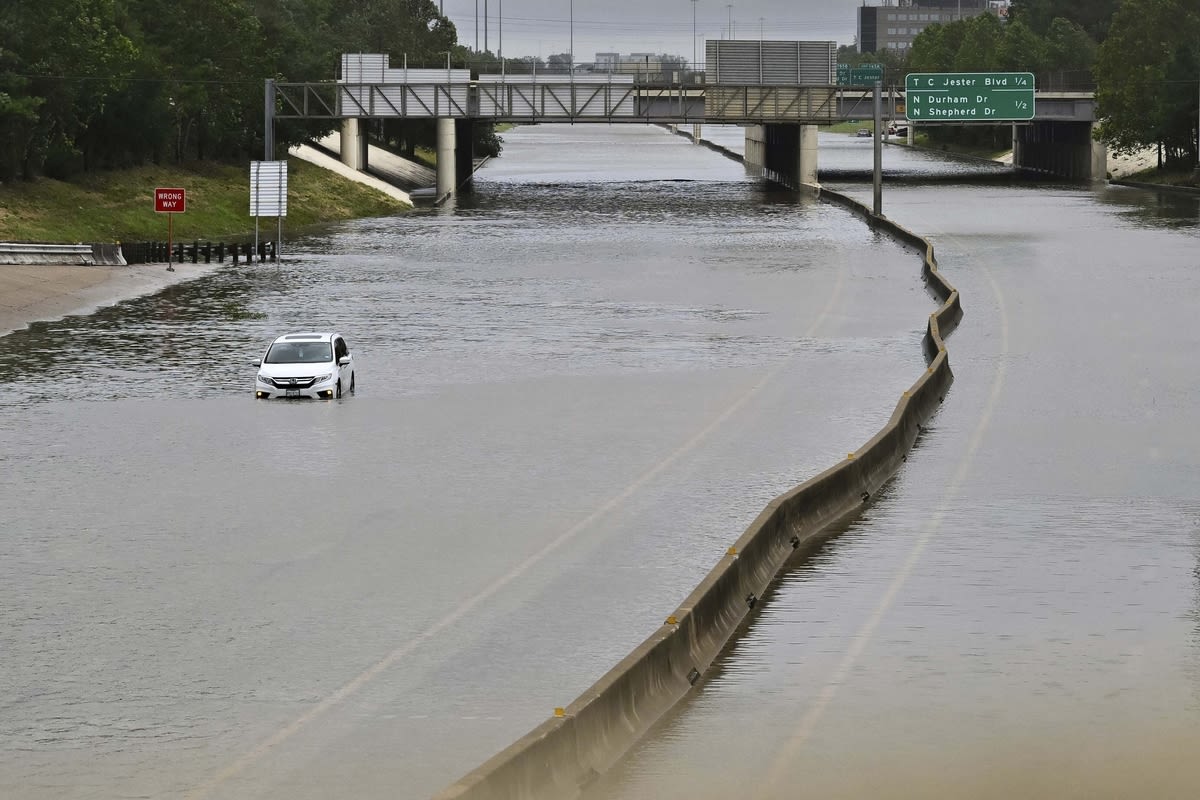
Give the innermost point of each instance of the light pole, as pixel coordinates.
(571, 47)
(729, 7)
(694, 34)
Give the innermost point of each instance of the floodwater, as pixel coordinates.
(574, 391)
(1018, 615)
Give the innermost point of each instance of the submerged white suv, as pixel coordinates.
(313, 365)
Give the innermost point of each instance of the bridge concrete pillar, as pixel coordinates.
(807, 163)
(354, 143)
(912, 133)
(447, 170)
(755, 149)
(696, 133)
(464, 154)
(1099, 165)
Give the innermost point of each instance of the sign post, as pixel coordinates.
(969, 96)
(863, 75)
(170, 201)
(268, 197)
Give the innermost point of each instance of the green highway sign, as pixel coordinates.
(968, 96)
(862, 75)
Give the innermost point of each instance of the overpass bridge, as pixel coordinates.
(780, 110)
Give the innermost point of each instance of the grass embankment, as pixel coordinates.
(848, 127)
(118, 206)
(990, 152)
(1188, 178)
(921, 140)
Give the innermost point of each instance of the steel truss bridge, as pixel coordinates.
(544, 100)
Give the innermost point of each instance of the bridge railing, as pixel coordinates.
(1065, 80)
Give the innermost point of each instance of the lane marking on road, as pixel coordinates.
(330, 701)
(773, 783)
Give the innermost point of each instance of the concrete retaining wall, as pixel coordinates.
(560, 756)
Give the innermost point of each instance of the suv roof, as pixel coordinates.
(308, 337)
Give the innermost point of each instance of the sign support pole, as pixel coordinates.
(170, 238)
(269, 121)
(877, 177)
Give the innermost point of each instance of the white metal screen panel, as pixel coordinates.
(379, 90)
(268, 188)
(763, 63)
(593, 95)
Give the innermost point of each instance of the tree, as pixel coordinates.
(410, 31)
(73, 57)
(1092, 16)
(1069, 47)
(980, 44)
(935, 49)
(99, 83)
(1020, 49)
(1146, 71)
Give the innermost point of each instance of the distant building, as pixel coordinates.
(632, 64)
(894, 25)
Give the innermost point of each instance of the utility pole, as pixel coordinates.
(877, 172)
(694, 34)
(571, 49)
(729, 7)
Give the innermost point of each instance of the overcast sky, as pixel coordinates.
(543, 27)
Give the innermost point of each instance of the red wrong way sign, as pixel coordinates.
(170, 201)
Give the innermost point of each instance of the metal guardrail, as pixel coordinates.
(27, 253)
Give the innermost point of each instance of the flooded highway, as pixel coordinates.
(1019, 614)
(575, 390)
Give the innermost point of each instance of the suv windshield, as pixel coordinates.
(299, 353)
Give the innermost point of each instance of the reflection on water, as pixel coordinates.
(1152, 208)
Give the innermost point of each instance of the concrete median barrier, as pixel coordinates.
(561, 756)
(108, 254)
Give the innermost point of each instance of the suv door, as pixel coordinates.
(340, 349)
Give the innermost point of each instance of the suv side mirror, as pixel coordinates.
(257, 362)
(343, 361)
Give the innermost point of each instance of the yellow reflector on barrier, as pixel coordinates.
(850, 456)
(672, 621)
(558, 712)
(731, 551)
